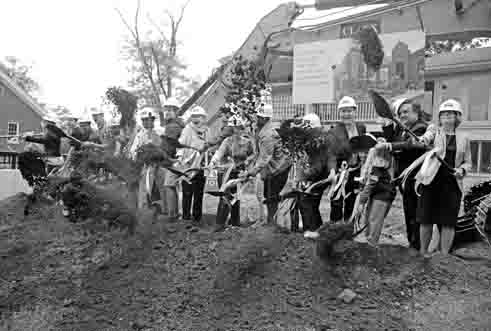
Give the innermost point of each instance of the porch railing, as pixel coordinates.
(284, 109)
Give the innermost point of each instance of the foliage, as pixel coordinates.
(371, 47)
(126, 104)
(248, 81)
(434, 47)
(20, 74)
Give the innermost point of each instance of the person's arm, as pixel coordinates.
(466, 165)
(219, 154)
(429, 136)
(410, 143)
(38, 140)
(368, 188)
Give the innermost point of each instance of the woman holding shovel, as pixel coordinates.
(236, 148)
(442, 187)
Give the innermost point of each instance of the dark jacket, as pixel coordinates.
(404, 149)
(341, 132)
(51, 143)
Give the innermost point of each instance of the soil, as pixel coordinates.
(55, 275)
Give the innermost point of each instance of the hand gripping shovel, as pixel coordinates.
(383, 110)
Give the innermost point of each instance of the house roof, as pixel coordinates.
(474, 59)
(21, 94)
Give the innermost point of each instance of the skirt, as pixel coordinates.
(439, 202)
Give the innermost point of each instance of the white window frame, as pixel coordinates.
(479, 157)
(17, 131)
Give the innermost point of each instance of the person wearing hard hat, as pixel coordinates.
(51, 142)
(405, 151)
(441, 191)
(343, 193)
(271, 161)
(147, 196)
(322, 165)
(193, 135)
(235, 150)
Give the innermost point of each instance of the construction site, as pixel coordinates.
(184, 276)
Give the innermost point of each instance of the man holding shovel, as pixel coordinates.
(405, 151)
(271, 161)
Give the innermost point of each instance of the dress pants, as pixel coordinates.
(272, 188)
(309, 209)
(192, 194)
(410, 206)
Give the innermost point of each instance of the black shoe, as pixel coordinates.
(219, 228)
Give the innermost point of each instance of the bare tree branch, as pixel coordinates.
(160, 78)
(181, 16)
(136, 36)
(159, 30)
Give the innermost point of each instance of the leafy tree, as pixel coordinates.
(126, 104)
(20, 73)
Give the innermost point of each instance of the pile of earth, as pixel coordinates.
(55, 275)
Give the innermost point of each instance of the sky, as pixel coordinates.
(74, 46)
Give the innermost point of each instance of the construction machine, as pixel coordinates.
(274, 37)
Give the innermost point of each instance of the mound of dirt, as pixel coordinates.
(179, 276)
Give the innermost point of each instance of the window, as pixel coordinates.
(481, 157)
(13, 129)
(400, 70)
(485, 166)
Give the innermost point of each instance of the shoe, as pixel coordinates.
(219, 228)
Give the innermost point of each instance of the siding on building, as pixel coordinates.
(17, 107)
(466, 76)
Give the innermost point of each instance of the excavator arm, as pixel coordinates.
(211, 95)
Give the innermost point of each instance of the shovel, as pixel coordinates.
(383, 110)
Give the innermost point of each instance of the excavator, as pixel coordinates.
(274, 36)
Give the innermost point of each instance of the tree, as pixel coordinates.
(443, 46)
(20, 73)
(153, 59)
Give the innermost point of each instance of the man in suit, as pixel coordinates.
(405, 152)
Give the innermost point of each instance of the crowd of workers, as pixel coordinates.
(359, 183)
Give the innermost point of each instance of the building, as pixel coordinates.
(465, 76)
(19, 113)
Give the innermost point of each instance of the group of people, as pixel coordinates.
(365, 183)
(358, 183)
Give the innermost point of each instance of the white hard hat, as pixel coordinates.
(198, 111)
(171, 102)
(396, 105)
(313, 120)
(265, 111)
(236, 120)
(451, 105)
(148, 112)
(347, 102)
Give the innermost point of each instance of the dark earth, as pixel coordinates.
(56, 275)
